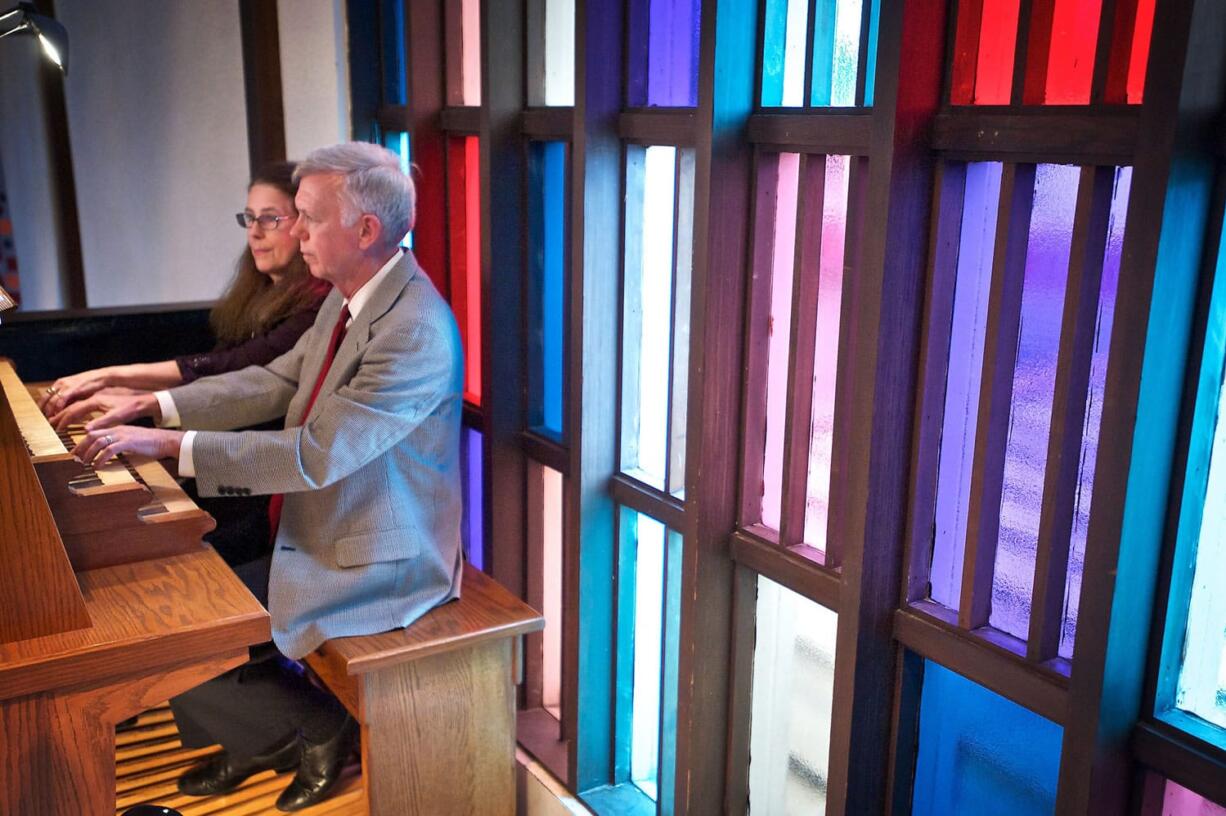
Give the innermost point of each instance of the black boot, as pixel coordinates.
(319, 769)
(222, 773)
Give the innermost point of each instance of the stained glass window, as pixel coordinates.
(472, 526)
(833, 41)
(547, 229)
(464, 235)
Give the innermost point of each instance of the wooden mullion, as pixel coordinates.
(641, 498)
(669, 389)
(757, 335)
(887, 256)
(785, 567)
(553, 124)
(658, 126)
(461, 119)
(1114, 52)
(850, 344)
(866, 19)
(829, 131)
(744, 637)
(1192, 763)
(1031, 52)
(423, 22)
(1072, 384)
(966, 27)
(453, 50)
(1074, 134)
(948, 197)
(806, 277)
(532, 689)
(924, 631)
(394, 117)
(996, 393)
(810, 27)
(546, 451)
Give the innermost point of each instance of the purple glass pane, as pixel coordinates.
(1094, 406)
(665, 71)
(1034, 380)
(966, 338)
(472, 530)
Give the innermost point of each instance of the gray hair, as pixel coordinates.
(372, 182)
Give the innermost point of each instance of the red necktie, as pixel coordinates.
(338, 334)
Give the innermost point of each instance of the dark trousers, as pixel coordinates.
(257, 704)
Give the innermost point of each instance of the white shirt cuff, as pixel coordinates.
(187, 465)
(170, 414)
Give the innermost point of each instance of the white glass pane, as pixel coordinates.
(559, 52)
(793, 686)
(648, 655)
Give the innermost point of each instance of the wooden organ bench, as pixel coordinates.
(436, 703)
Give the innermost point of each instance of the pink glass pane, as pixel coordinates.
(470, 30)
(1179, 801)
(1094, 407)
(780, 336)
(963, 376)
(826, 355)
(1034, 377)
(545, 528)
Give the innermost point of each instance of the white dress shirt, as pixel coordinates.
(170, 414)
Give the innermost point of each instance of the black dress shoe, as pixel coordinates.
(319, 769)
(222, 773)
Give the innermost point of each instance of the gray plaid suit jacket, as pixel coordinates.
(370, 530)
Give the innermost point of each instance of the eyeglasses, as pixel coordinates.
(266, 222)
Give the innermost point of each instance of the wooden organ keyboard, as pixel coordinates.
(109, 604)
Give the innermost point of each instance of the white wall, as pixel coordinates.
(28, 179)
(314, 73)
(159, 140)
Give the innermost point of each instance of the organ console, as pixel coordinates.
(110, 604)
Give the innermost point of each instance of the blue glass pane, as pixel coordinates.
(981, 753)
(391, 24)
(472, 528)
(546, 315)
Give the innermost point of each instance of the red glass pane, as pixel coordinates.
(464, 251)
(1070, 63)
(1139, 56)
(985, 42)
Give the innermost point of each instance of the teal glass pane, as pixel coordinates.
(397, 141)
(836, 52)
(870, 65)
(793, 691)
(785, 31)
(649, 587)
(547, 226)
(981, 753)
(1201, 689)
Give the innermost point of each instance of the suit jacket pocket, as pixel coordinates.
(371, 548)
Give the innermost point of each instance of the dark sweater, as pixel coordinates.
(259, 350)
